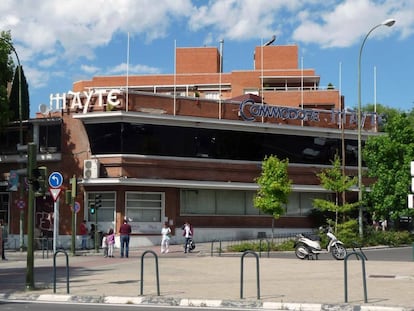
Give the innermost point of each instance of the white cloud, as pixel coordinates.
(121, 69)
(89, 69)
(345, 24)
(49, 33)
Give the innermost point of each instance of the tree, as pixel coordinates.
(6, 76)
(14, 97)
(334, 180)
(388, 159)
(274, 187)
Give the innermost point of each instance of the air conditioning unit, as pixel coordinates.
(90, 168)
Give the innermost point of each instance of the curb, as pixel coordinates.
(225, 304)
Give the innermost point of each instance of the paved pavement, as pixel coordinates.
(199, 279)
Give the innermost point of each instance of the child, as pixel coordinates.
(110, 240)
(165, 241)
(105, 245)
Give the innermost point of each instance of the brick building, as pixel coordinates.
(187, 146)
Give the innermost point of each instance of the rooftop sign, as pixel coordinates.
(249, 111)
(83, 101)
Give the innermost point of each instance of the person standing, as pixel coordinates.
(165, 241)
(92, 235)
(110, 239)
(4, 235)
(105, 245)
(125, 231)
(83, 230)
(188, 234)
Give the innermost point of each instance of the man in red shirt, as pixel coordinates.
(125, 231)
(83, 231)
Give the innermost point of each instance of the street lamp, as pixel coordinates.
(389, 23)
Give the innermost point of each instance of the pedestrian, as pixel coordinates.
(83, 231)
(92, 235)
(188, 234)
(105, 245)
(110, 240)
(4, 235)
(125, 231)
(165, 241)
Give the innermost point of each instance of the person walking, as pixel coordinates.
(110, 239)
(125, 231)
(83, 231)
(188, 234)
(165, 241)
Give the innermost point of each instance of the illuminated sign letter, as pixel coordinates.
(112, 98)
(60, 101)
(76, 101)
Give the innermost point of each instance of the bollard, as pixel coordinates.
(413, 251)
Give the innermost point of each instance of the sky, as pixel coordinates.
(61, 42)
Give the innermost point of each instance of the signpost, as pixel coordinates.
(55, 182)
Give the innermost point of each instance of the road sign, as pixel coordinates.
(55, 180)
(55, 192)
(21, 204)
(76, 207)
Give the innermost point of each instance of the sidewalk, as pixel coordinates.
(198, 279)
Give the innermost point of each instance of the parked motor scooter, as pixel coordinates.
(307, 246)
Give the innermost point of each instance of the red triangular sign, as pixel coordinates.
(55, 193)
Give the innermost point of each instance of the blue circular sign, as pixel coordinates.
(76, 208)
(55, 180)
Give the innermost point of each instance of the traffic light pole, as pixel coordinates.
(72, 204)
(96, 232)
(32, 163)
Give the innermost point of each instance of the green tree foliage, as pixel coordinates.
(6, 76)
(388, 160)
(14, 96)
(274, 187)
(334, 180)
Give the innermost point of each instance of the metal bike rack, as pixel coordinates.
(355, 245)
(156, 270)
(67, 270)
(364, 279)
(212, 247)
(242, 272)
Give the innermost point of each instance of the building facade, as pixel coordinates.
(186, 146)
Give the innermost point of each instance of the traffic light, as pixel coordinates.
(98, 201)
(39, 180)
(68, 196)
(92, 209)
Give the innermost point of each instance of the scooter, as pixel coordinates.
(309, 246)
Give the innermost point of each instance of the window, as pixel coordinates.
(211, 95)
(217, 202)
(145, 211)
(161, 140)
(233, 202)
(300, 204)
(4, 207)
(106, 213)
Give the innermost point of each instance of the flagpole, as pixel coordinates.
(127, 77)
(175, 74)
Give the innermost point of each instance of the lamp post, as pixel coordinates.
(388, 23)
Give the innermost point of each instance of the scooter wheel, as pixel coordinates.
(301, 251)
(339, 252)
